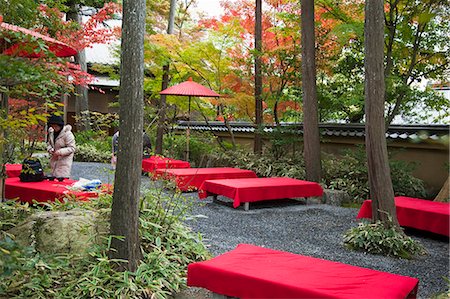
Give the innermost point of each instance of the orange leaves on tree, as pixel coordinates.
(91, 32)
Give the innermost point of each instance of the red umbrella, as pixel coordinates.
(24, 49)
(190, 89)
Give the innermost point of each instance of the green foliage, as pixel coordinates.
(100, 123)
(12, 213)
(416, 42)
(265, 165)
(347, 172)
(200, 147)
(283, 142)
(98, 139)
(377, 238)
(11, 254)
(93, 146)
(167, 245)
(89, 153)
(20, 12)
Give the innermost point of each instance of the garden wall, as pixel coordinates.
(429, 150)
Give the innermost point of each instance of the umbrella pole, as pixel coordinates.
(188, 131)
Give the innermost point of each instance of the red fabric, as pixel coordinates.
(189, 88)
(257, 189)
(13, 170)
(254, 272)
(416, 213)
(154, 162)
(58, 48)
(42, 191)
(188, 179)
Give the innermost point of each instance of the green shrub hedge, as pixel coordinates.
(93, 146)
(376, 238)
(168, 246)
(347, 172)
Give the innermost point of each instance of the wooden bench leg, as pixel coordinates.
(246, 206)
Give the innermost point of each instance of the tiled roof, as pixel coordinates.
(421, 132)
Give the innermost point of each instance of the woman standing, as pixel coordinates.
(61, 147)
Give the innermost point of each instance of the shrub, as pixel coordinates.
(12, 213)
(89, 153)
(264, 165)
(98, 139)
(376, 238)
(349, 173)
(167, 245)
(201, 146)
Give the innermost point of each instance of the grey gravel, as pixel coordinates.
(312, 230)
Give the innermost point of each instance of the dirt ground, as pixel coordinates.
(194, 293)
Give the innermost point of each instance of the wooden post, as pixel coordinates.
(444, 195)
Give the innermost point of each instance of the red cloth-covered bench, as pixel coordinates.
(13, 170)
(250, 271)
(189, 179)
(248, 190)
(45, 191)
(155, 162)
(416, 213)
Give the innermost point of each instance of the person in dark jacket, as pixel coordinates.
(146, 147)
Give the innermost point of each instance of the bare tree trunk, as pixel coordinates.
(165, 84)
(125, 207)
(380, 183)
(3, 149)
(310, 110)
(444, 195)
(81, 96)
(257, 148)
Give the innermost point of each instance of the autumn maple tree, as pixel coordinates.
(43, 79)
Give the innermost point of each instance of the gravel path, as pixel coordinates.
(313, 230)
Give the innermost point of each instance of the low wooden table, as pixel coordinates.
(417, 213)
(45, 191)
(250, 271)
(190, 179)
(248, 190)
(13, 170)
(155, 162)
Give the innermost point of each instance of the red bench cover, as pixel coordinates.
(13, 170)
(188, 179)
(42, 191)
(155, 162)
(253, 272)
(257, 189)
(417, 213)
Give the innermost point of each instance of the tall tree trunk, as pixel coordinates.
(381, 191)
(81, 96)
(4, 107)
(165, 84)
(311, 139)
(257, 149)
(125, 206)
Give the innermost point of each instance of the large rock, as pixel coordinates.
(63, 232)
(335, 197)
